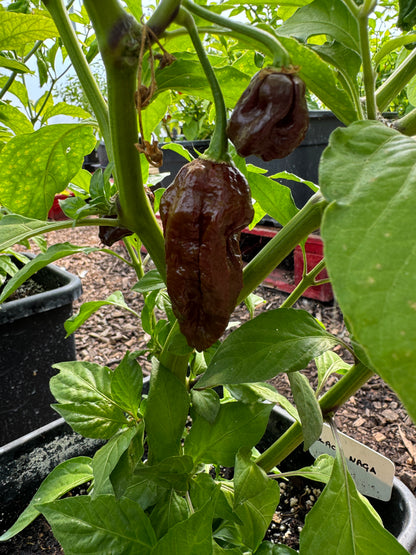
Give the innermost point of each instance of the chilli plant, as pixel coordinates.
(158, 484)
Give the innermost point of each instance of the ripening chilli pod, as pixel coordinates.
(203, 212)
(271, 117)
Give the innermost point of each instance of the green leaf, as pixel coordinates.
(17, 89)
(186, 75)
(14, 65)
(173, 472)
(255, 499)
(321, 80)
(179, 149)
(324, 17)
(269, 548)
(122, 473)
(293, 177)
(237, 425)
(63, 478)
(135, 9)
(368, 175)
(341, 522)
(391, 45)
(55, 252)
(147, 314)
(169, 511)
(192, 536)
(107, 457)
(153, 114)
(259, 392)
(276, 341)
(89, 308)
(206, 403)
(201, 490)
(346, 60)
(275, 198)
(143, 491)
(252, 302)
(83, 391)
(166, 412)
(64, 109)
(14, 119)
(18, 29)
(151, 281)
(85, 525)
(308, 408)
(320, 471)
(327, 364)
(38, 165)
(15, 229)
(127, 384)
(407, 15)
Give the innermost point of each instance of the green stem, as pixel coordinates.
(218, 148)
(396, 82)
(119, 37)
(281, 57)
(352, 7)
(407, 124)
(163, 16)
(308, 280)
(136, 261)
(306, 221)
(67, 33)
(369, 76)
(330, 402)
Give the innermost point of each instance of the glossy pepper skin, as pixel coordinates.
(202, 213)
(271, 117)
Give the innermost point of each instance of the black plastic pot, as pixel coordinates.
(304, 160)
(25, 463)
(398, 514)
(32, 338)
(172, 161)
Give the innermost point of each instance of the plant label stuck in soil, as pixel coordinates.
(372, 473)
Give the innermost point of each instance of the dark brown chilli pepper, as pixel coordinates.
(202, 213)
(271, 117)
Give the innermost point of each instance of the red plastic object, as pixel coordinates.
(56, 212)
(279, 277)
(314, 254)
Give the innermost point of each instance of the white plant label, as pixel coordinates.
(372, 473)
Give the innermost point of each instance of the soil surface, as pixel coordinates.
(373, 416)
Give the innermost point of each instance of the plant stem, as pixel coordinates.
(163, 15)
(407, 124)
(329, 402)
(119, 37)
(308, 280)
(352, 7)
(280, 55)
(60, 16)
(136, 261)
(306, 221)
(396, 82)
(218, 148)
(369, 75)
